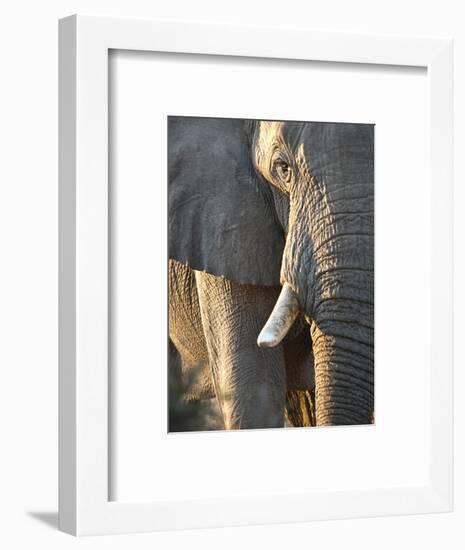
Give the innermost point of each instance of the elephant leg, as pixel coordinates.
(300, 398)
(186, 332)
(250, 382)
(301, 408)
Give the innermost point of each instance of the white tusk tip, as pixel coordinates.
(266, 339)
(280, 321)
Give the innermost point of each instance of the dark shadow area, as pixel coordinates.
(47, 518)
(188, 415)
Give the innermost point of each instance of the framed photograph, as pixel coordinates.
(255, 275)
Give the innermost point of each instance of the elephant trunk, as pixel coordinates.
(329, 267)
(342, 331)
(340, 308)
(343, 379)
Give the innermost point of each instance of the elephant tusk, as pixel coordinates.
(281, 319)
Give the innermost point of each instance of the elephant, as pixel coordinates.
(271, 270)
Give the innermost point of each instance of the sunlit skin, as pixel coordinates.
(260, 207)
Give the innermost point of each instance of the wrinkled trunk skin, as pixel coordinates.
(329, 262)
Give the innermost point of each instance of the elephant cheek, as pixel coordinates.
(297, 271)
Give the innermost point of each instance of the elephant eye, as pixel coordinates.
(283, 170)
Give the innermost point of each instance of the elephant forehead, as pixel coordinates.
(269, 136)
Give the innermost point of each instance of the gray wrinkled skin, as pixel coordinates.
(214, 324)
(328, 258)
(253, 205)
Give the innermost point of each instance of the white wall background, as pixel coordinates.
(245, 463)
(28, 268)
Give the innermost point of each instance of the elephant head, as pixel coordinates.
(327, 268)
(291, 204)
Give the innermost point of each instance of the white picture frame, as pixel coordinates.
(84, 44)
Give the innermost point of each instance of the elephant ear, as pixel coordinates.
(221, 219)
